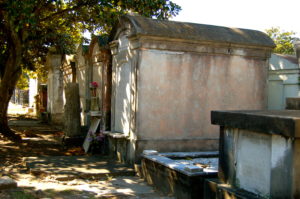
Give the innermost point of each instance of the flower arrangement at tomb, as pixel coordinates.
(96, 141)
(93, 87)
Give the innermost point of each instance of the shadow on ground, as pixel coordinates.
(43, 168)
(38, 139)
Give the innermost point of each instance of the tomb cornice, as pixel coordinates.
(284, 122)
(158, 43)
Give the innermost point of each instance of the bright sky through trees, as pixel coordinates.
(254, 14)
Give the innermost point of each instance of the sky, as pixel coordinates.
(249, 14)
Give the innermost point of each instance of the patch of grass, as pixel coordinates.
(21, 195)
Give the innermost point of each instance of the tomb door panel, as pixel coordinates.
(122, 98)
(275, 95)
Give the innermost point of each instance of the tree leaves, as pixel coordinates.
(283, 40)
(29, 28)
(60, 23)
(41, 24)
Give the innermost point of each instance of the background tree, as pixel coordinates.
(283, 40)
(28, 28)
(23, 82)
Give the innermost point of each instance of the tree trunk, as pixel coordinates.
(5, 95)
(7, 85)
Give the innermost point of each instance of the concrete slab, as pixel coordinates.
(280, 122)
(7, 183)
(200, 165)
(74, 167)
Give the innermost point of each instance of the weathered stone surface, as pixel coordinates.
(279, 88)
(168, 76)
(293, 103)
(224, 191)
(7, 183)
(259, 152)
(173, 182)
(83, 77)
(193, 169)
(55, 88)
(210, 187)
(72, 111)
(273, 122)
(177, 155)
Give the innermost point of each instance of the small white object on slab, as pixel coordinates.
(150, 152)
(193, 168)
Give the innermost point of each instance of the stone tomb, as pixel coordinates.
(83, 79)
(168, 76)
(93, 64)
(181, 174)
(101, 71)
(259, 152)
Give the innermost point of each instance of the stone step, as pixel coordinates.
(7, 183)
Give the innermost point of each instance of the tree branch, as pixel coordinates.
(61, 12)
(39, 7)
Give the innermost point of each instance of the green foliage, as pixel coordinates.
(20, 194)
(283, 40)
(37, 25)
(23, 82)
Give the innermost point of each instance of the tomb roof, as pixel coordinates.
(291, 58)
(192, 31)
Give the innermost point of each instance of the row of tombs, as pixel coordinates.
(155, 86)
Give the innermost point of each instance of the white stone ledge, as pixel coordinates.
(116, 135)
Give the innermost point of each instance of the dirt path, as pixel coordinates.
(42, 141)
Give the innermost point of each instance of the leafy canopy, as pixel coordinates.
(41, 24)
(283, 40)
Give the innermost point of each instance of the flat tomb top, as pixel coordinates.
(283, 122)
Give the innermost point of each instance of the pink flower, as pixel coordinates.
(94, 84)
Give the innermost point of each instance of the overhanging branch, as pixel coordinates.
(61, 12)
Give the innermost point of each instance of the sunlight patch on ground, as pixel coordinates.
(118, 185)
(17, 109)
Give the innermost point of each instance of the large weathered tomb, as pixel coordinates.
(168, 76)
(93, 64)
(59, 75)
(89, 64)
(100, 61)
